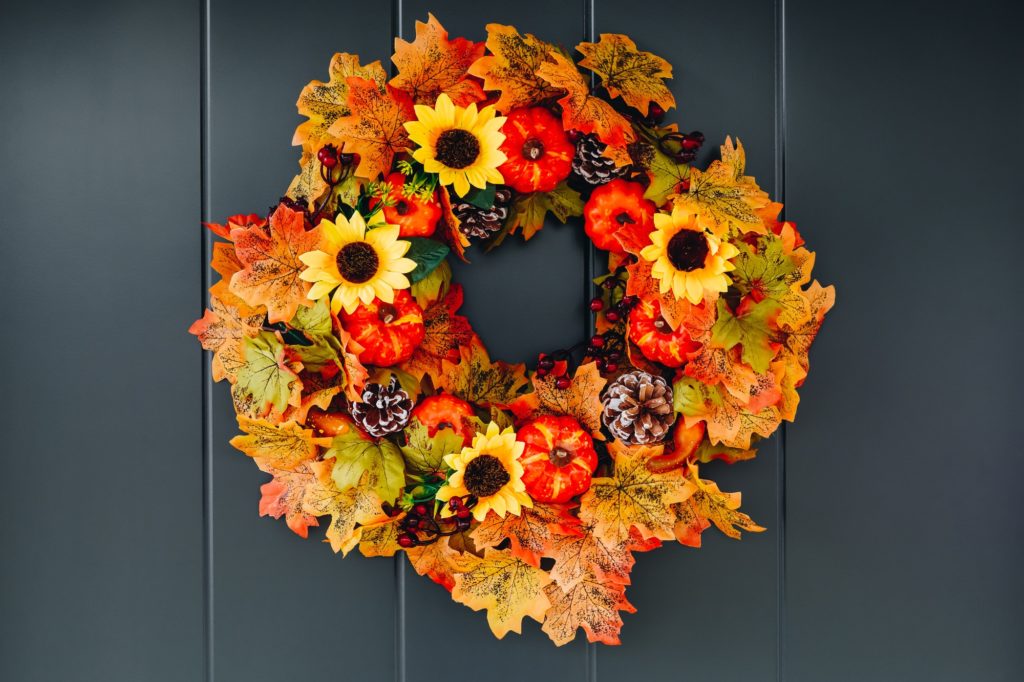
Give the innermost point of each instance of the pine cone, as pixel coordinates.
(590, 163)
(384, 409)
(638, 408)
(483, 222)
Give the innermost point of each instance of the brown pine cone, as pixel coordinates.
(384, 409)
(591, 165)
(480, 223)
(638, 408)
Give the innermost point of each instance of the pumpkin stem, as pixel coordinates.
(560, 456)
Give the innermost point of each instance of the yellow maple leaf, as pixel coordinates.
(638, 77)
(349, 509)
(730, 421)
(508, 587)
(634, 497)
(439, 560)
(511, 68)
(477, 379)
(582, 399)
(587, 553)
(374, 129)
(708, 505)
(433, 64)
(381, 538)
(223, 328)
(582, 110)
(591, 604)
(282, 446)
(324, 103)
(531, 534)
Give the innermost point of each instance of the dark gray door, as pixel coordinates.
(131, 546)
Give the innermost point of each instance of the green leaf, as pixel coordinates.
(481, 198)
(529, 210)
(381, 463)
(427, 254)
(313, 320)
(434, 286)
(424, 454)
(666, 174)
(751, 329)
(688, 396)
(265, 377)
(765, 270)
(324, 350)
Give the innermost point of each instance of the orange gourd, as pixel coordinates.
(655, 337)
(446, 411)
(538, 150)
(558, 458)
(388, 332)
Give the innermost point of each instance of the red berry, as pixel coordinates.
(563, 382)
(327, 156)
(597, 341)
(541, 372)
(613, 316)
(463, 513)
(420, 509)
(546, 363)
(684, 186)
(406, 540)
(597, 305)
(601, 364)
(611, 367)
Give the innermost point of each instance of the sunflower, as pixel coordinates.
(355, 264)
(687, 260)
(490, 470)
(460, 144)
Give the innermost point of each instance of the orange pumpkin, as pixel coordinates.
(538, 150)
(388, 332)
(445, 411)
(558, 458)
(414, 216)
(614, 206)
(655, 337)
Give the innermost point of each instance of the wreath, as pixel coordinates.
(372, 403)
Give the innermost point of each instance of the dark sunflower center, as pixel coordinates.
(687, 250)
(533, 149)
(560, 456)
(457, 148)
(485, 475)
(357, 262)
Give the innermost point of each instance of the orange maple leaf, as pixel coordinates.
(708, 505)
(284, 495)
(432, 64)
(532, 534)
(591, 604)
(637, 77)
(799, 338)
(730, 421)
(582, 398)
(324, 103)
(381, 538)
(374, 129)
(588, 553)
(281, 446)
(581, 110)
(511, 68)
(222, 328)
(508, 587)
(475, 378)
(439, 560)
(272, 266)
(349, 509)
(445, 332)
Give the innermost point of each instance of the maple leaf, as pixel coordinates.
(424, 453)
(266, 383)
(284, 496)
(708, 505)
(532, 533)
(586, 553)
(582, 110)
(374, 129)
(511, 68)
(508, 587)
(222, 329)
(529, 210)
(445, 332)
(324, 103)
(361, 463)
(729, 421)
(634, 497)
(381, 538)
(666, 175)
(638, 77)
(348, 509)
(439, 560)
(478, 380)
(589, 604)
(767, 270)
(282, 446)
(642, 284)
(581, 400)
(751, 327)
(272, 266)
(223, 230)
(722, 197)
(225, 262)
(432, 64)
(800, 337)
(318, 390)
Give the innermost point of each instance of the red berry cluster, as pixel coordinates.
(619, 310)
(681, 147)
(421, 527)
(607, 351)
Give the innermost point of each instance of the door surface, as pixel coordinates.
(131, 544)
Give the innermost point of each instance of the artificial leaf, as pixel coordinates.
(433, 64)
(308, 186)
(424, 453)
(708, 452)
(241, 220)
(752, 326)
(324, 103)
(511, 68)
(581, 400)
(448, 227)
(266, 381)
(282, 446)
(729, 421)
(586, 553)
(799, 338)
(638, 77)
(532, 533)
(445, 332)
(634, 496)
(666, 176)
(581, 110)
(529, 210)
(347, 508)
(508, 587)
(225, 262)
(381, 538)
(285, 495)
(223, 328)
(314, 319)
(361, 463)
(439, 560)
(709, 505)
(433, 287)
(589, 604)
(374, 129)
(477, 379)
(272, 266)
(722, 197)
(427, 254)
(318, 390)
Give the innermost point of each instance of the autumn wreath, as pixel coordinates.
(370, 400)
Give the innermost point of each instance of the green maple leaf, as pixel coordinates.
(266, 378)
(666, 175)
(315, 319)
(380, 462)
(529, 210)
(751, 329)
(765, 270)
(424, 454)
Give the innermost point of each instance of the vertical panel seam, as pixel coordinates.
(397, 21)
(780, 195)
(207, 379)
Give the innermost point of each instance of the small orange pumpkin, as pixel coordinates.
(388, 332)
(558, 459)
(414, 216)
(445, 411)
(538, 150)
(615, 206)
(655, 338)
